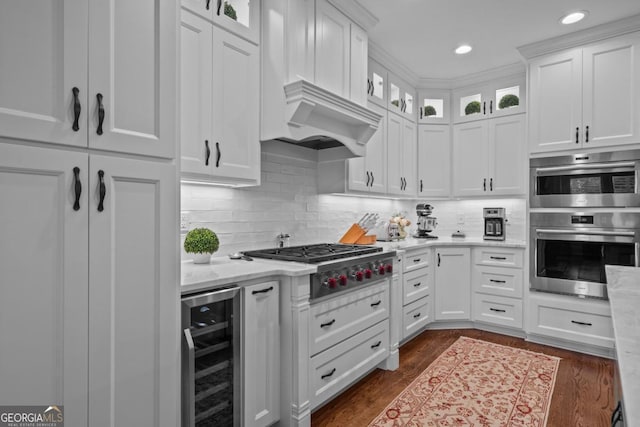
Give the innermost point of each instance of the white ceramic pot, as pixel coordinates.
(201, 258)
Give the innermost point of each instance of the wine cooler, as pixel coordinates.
(211, 374)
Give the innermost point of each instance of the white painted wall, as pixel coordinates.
(288, 202)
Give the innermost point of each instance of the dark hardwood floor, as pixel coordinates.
(583, 395)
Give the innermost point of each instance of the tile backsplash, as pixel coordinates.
(288, 202)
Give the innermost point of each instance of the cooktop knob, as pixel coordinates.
(332, 282)
(343, 279)
(368, 273)
(359, 275)
(389, 268)
(381, 270)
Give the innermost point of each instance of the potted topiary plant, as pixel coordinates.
(508, 100)
(230, 11)
(201, 242)
(396, 102)
(472, 108)
(429, 110)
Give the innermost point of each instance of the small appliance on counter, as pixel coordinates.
(426, 222)
(494, 223)
(387, 231)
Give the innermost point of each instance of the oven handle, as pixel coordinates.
(190, 380)
(603, 166)
(587, 232)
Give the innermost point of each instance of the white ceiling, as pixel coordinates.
(422, 34)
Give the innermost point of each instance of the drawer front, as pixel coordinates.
(337, 319)
(503, 257)
(336, 368)
(416, 316)
(417, 284)
(571, 322)
(497, 310)
(506, 282)
(416, 259)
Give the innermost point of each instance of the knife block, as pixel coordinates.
(356, 235)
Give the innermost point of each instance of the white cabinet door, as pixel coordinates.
(43, 46)
(555, 102)
(369, 173)
(471, 159)
(434, 160)
(359, 49)
(453, 284)
(235, 145)
(44, 292)
(333, 38)
(507, 155)
(377, 83)
(132, 76)
(394, 153)
(261, 354)
(133, 297)
(611, 92)
(196, 62)
(409, 157)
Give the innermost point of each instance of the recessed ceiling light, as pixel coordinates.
(462, 49)
(573, 17)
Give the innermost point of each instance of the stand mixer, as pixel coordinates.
(426, 223)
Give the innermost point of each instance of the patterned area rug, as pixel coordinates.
(477, 383)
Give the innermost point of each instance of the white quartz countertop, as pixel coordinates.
(223, 271)
(623, 288)
(413, 243)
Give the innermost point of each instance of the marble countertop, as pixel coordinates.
(413, 243)
(623, 288)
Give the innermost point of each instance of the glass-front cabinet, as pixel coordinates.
(377, 83)
(402, 97)
(498, 98)
(434, 106)
(241, 17)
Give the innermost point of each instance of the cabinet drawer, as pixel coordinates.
(337, 319)
(585, 322)
(506, 282)
(417, 284)
(336, 368)
(503, 257)
(497, 310)
(416, 316)
(416, 259)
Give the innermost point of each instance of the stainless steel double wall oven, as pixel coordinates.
(585, 214)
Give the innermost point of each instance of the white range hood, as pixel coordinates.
(296, 106)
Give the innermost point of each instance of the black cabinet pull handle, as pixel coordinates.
(491, 184)
(417, 285)
(616, 415)
(376, 345)
(218, 155)
(581, 323)
(77, 188)
(491, 107)
(333, 371)
(372, 179)
(208, 2)
(415, 316)
(421, 186)
(207, 152)
(484, 107)
(438, 260)
(368, 178)
(219, 5)
(421, 112)
(577, 135)
(102, 191)
(498, 310)
(497, 281)
(375, 304)
(499, 258)
(484, 184)
(262, 291)
(417, 260)
(100, 114)
(586, 135)
(329, 323)
(76, 109)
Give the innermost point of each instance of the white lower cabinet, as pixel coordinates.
(570, 319)
(416, 316)
(453, 283)
(261, 354)
(417, 291)
(500, 311)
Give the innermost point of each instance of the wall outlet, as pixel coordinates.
(460, 218)
(184, 221)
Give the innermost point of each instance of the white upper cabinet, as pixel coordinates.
(434, 161)
(401, 97)
(586, 97)
(219, 104)
(377, 83)
(401, 156)
(500, 97)
(369, 173)
(434, 106)
(240, 17)
(358, 60)
(488, 157)
(82, 93)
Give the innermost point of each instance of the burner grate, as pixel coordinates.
(313, 253)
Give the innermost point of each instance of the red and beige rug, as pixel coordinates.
(477, 383)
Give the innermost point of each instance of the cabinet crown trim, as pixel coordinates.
(356, 12)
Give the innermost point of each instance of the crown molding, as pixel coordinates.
(509, 70)
(356, 12)
(392, 64)
(581, 37)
